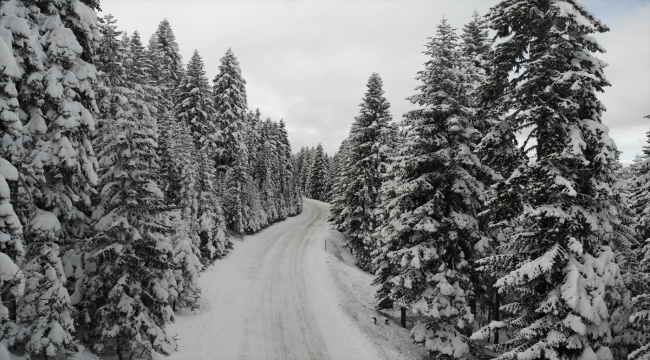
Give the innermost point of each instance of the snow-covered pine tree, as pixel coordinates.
(166, 72)
(195, 109)
(640, 317)
(255, 215)
(123, 302)
(340, 180)
(475, 40)
(635, 335)
(640, 191)
(475, 47)
(317, 174)
(298, 165)
(306, 169)
(330, 181)
(369, 146)
(229, 93)
(11, 247)
(17, 42)
(60, 101)
(558, 214)
(288, 189)
(12, 152)
(54, 43)
(212, 224)
(266, 169)
(432, 202)
(12, 155)
(45, 312)
(195, 104)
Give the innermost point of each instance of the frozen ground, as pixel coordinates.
(280, 295)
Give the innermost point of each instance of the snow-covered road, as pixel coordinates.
(273, 298)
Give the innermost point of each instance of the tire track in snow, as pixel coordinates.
(268, 301)
(314, 342)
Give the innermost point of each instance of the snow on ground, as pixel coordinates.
(280, 295)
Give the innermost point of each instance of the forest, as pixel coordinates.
(123, 174)
(496, 212)
(533, 249)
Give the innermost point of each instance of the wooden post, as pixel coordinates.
(403, 316)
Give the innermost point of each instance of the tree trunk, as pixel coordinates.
(403, 316)
(489, 308)
(497, 317)
(119, 349)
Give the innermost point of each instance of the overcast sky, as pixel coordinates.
(307, 62)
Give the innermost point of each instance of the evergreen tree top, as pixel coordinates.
(165, 52)
(646, 147)
(374, 101)
(441, 79)
(230, 88)
(475, 36)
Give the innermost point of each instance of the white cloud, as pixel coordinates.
(308, 62)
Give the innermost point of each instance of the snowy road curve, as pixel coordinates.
(271, 299)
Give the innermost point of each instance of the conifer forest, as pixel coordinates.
(147, 211)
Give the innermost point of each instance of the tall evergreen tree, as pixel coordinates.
(340, 178)
(123, 302)
(195, 104)
(166, 72)
(369, 146)
(308, 158)
(168, 67)
(288, 189)
(640, 196)
(317, 174)
(195, 109)
(558, 215)
(54, 43)
(635, 336)
(432, 203)
(475, 40)
(229, 93)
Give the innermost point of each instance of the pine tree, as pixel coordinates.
(330, 181)
(558, 214)
(340, 180)
(317, 174)
(640, 316)
(195, 106)
(168, 70)
(432, 201)
(635, 335)
(165, 73)
(476, 42)
(299, 165)
(288, 189)
(256, 216)
(12, 152)
(61, 103)
(640, 197)
(124, 302)
(229, 93)
(308, 158)
(369, 146)
(195, 109)
(266, 169)
(45, 310)
(55, 163)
